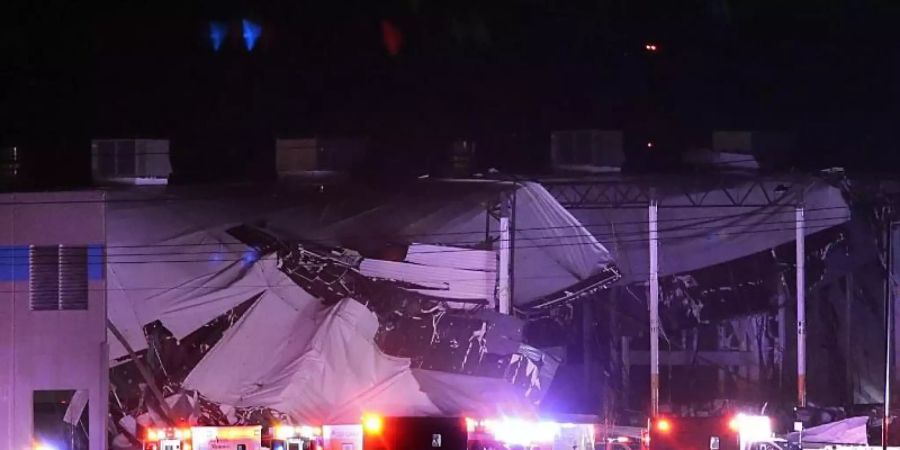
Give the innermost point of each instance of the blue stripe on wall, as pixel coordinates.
(13, 262)
(96, 260)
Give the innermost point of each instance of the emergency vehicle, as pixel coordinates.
(289, 437)
(420, 433)
(204, 438)
(460, 433)
(737, 432)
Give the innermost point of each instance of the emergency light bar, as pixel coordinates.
(517, 431)
(752, 428)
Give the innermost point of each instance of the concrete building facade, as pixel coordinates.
(54, 370)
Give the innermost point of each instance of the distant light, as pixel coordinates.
(650, 144)
(217, 33)
(392, 37)
(252, 31)
(650, 47)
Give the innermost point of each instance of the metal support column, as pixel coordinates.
(654, 307)
(801, 305)
(848, 338)
(504, 294)
(888, 329)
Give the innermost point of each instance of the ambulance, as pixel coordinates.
(204, 438)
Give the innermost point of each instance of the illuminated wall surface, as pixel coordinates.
(53, 352)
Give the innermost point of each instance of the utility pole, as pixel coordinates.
(801, 304)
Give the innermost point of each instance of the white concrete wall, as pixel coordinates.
(50, 350)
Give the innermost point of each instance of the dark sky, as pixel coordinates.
(500, 71)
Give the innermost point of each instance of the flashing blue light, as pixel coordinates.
(252, 31)
(279, 447)
(217, 33)
(250, 257)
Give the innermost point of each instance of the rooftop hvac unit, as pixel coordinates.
(771, 149)
(299, 156)
(131, 161)
(587, 149)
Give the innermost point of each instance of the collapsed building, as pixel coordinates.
(236, 305)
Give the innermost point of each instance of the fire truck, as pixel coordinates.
(462, 433)
(737, 432)
(204, 438)
(402, 433)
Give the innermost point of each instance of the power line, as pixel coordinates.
(442, 251)
(691, 226)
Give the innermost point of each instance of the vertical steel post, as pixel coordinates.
(848, 338)
(654, 307)
(888, 325)
(504, 300)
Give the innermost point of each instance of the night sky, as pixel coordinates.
(412, 75)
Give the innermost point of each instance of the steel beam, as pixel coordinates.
(677, 192)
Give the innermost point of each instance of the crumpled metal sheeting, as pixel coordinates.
(749, 285)
(170, 361)
(412, 325)
(427, 330)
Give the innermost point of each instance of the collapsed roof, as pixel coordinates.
(375, 297)
(340, 321)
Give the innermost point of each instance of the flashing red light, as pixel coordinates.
(373, 424)
(664, 425)
(392, 37)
